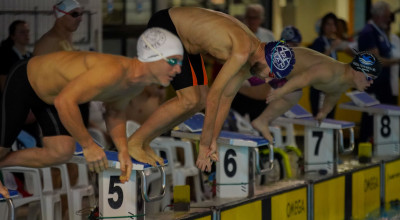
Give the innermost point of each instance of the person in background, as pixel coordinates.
(326, 43)
(395, 68)
(291, 35)
(253, 18)
(373, 38)
(14, 48)
(68, 15)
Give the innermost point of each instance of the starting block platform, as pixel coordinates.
(322, 141)
(117, 199)
(386, 122)
(238, 156)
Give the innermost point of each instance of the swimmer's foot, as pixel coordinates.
(263, 129)
(142, 156)
(150, 152)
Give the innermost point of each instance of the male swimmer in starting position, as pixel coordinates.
(325, 74)
(54, 86)
(202, 31)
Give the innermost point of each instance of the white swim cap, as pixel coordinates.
(65, 6)
(156, 44)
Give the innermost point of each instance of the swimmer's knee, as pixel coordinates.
(60, 150)
(191, 100)
(60, 156)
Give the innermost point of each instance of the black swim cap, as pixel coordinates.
(366, 62)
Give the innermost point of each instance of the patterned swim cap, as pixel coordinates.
(157, 43)
(65, 6)
(282, 57)
(366, 62)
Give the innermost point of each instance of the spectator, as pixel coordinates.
(59, 38)
(253, 18)
(373, 38)
(326, 43)
(291, 35)
(14, 48)
(395, 68)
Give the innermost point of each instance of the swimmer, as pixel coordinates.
(203, 31)
(324, 73)
(55, 85)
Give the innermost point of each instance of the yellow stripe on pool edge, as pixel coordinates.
(204, 218)
(329, 199)
(365, 192)
(392, 181)
(291, 205)
(247, 211)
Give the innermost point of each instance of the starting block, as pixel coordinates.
(10, 204)
(117, 199)
(320, 152)
(238, 156)
(386, 122)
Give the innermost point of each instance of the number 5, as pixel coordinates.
(115, 189)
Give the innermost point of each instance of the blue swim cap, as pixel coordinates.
(291, 34)
(366, 62)
(282, 57)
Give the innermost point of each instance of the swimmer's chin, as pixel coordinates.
(165, 84)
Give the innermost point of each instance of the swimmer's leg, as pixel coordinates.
(187, 102)
(273, 111)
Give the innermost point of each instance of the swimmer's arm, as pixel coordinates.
(225, 103)
(296, 82)
(329, 103)
(226, 74)
(78, 91)
(115, 118)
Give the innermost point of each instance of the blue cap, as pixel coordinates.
(282, 57)
(291, 34)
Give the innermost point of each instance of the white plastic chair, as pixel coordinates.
(52, 199)
(290, 133)
(37, 195)
(76, 193)
(179, 171)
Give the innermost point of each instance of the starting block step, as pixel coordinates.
(298, 115)
(227, 137)
(311, 122)
(375, 109)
